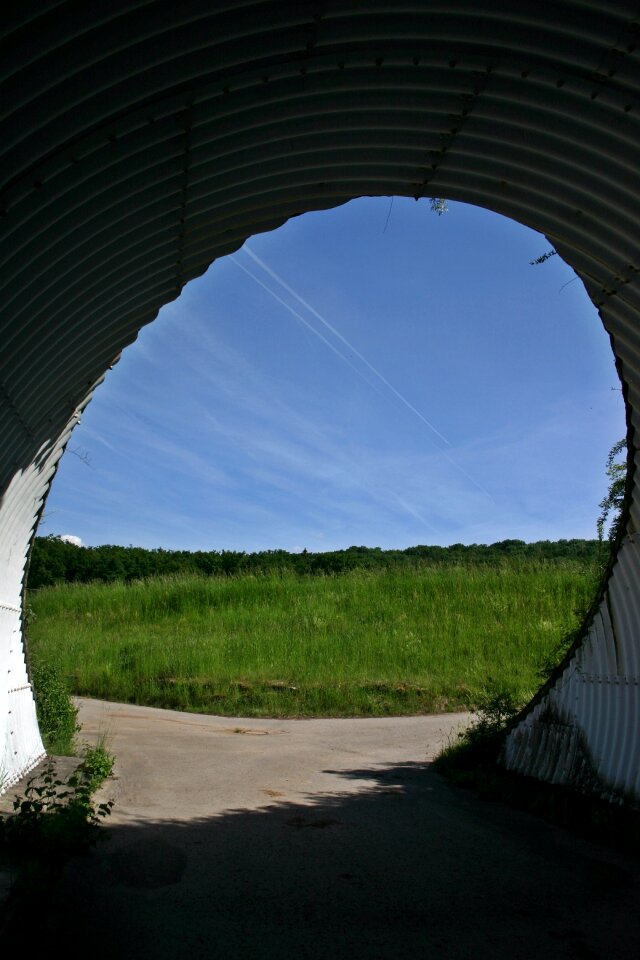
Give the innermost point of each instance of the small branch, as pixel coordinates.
(543, 258)
(82, 455)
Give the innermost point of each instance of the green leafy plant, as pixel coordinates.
(438, 205)
(471, 761)
(53, 817)
(29, 615)
(612, 503)
(97, 764)
(479, 745)
(53, 820)
(543, 257)
(57, 715)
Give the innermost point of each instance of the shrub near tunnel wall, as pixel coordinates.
(139, 143)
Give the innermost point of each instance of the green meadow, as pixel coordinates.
(362, 643)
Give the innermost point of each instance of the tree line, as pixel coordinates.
(54, 560)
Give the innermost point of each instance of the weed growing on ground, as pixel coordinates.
(57, 715)
(54, 817)
(97, 764)
(479, 746)
(53, 820)
(471, 761)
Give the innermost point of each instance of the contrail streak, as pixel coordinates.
(353, 349)
(346, 342)
(403, 503)
(302, 320)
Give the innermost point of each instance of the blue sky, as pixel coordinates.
(375, 375)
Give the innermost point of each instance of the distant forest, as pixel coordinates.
(55, 561)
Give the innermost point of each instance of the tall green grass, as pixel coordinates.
(364, 643)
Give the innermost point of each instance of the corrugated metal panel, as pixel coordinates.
(140, 142)
(590, 717)
(23, 737)
(20, 738)
(22, 746)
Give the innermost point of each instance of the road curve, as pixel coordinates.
(245, 838)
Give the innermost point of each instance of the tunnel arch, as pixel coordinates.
(143, 140)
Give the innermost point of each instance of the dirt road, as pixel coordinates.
(327, 839)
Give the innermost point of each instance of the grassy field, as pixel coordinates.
(360, 644)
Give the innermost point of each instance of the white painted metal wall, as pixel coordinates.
(20, 740)
(21, 746)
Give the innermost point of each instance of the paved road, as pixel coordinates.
(327, 839)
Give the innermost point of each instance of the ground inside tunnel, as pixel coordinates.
(326, 838)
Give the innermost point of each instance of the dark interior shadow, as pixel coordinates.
(405, 867)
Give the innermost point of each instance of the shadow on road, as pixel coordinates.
(407, 866)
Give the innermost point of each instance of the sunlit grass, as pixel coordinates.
(364, 643)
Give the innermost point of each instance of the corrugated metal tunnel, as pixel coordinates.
(139, 141)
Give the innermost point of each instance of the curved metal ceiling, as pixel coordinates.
(141, 140)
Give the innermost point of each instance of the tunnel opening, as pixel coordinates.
(236, 381)
(135, 154)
